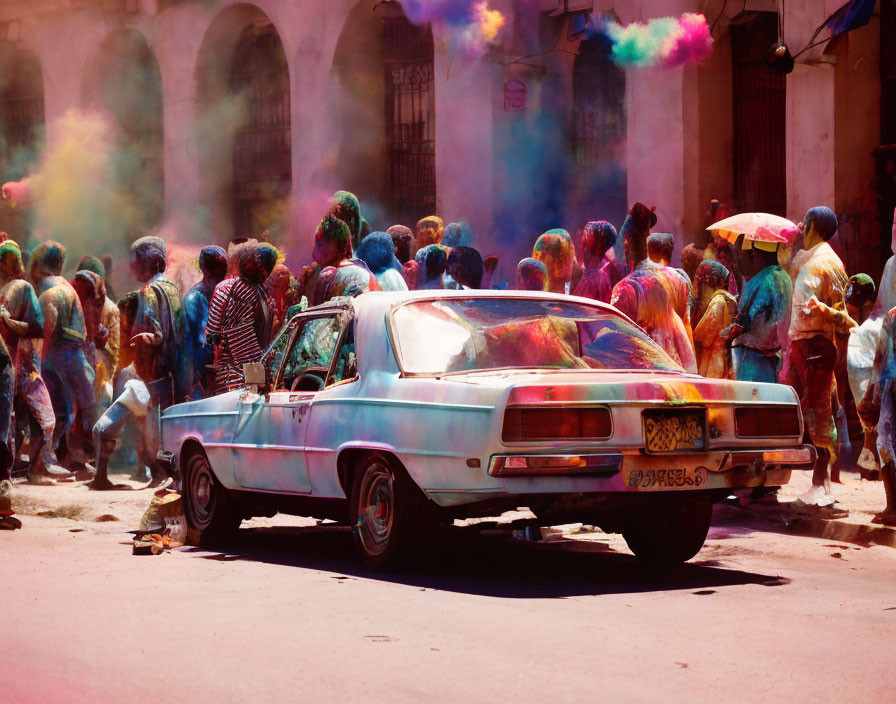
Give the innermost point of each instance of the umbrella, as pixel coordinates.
(762, 227)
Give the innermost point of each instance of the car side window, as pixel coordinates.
(307, 363)
(346, 366)
(273, 358)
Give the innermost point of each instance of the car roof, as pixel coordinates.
(385, 300)
(373, 308)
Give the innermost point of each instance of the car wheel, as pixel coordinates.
(388, 513)
(208, 506)
(670, 532)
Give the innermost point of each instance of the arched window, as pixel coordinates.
(124, 82)
(410, 118)
(21, 111)
(599, 133)
(598, 105)
(21, 127)
(262, 146)
(885, 154)
(759, 117)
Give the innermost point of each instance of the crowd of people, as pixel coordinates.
(77, 367)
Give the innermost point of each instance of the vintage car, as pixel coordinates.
(393, 411)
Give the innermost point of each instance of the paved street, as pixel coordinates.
(288, 614)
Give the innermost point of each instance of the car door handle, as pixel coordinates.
(300, 412)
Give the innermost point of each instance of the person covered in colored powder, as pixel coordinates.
(713, 356)
(654, 296)
(213, 265)
(885, 388)
(107, 355)
(817, 313)
(92, 294)
(554, 249)
(157, 332)
(7, 392)
(68, 377)
(691, 256)
(531, 275)
(334, 269)
(600, 274)
(403, 242)
(759, 333)
(432, 262)
(457, 234)
(464, 268)
(279, 286)
(22, 329)
(861, 294)
(153, 325)
(241, 315)
(660, 248)
(430, 230)
(377, 251)
(132, 400)
(346, 207)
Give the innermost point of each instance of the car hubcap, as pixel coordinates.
(376, 509)
(202, 492)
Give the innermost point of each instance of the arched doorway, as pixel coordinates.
(759, 116)
(262, 146)
(21, 124)
(885, 154)
(599, 132)
(124, 82)
(410, 117)
(384, 68)
(245, 129)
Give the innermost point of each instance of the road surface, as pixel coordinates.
(287, 613)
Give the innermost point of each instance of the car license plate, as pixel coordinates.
(675, 431)
(659, 479)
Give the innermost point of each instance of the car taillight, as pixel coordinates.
(530, 424)
(767, 421)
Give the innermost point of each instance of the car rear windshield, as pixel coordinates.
(459, 335)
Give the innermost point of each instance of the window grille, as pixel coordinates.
(262, 146)
(410, 118)
(22, 113)
(598, 105)
(759, 118)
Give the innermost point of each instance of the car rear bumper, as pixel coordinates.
(634, 472)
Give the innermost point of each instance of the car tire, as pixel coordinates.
(388, 513)
(670, 532)
(208, 506)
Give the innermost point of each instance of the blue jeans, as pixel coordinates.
(67, 377)
(7, 393)
(752, 365)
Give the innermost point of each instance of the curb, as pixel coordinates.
(782, 520)
(843, 531)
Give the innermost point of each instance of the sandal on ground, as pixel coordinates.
(10, 523)
(106, 485)
(885, 518)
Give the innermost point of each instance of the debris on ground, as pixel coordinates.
(163, 525)
(8, 521)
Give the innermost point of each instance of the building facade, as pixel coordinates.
(243, 117)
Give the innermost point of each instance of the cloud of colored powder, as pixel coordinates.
(664, 41)
(75, 194)
(472, 25)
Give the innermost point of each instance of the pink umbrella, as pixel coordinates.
(762, 227)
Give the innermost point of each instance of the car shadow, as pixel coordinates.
(484, 563)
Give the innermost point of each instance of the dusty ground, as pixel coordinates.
(287, 613)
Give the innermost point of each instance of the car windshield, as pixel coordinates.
(458, 335)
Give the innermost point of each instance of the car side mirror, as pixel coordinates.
(255, 375)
